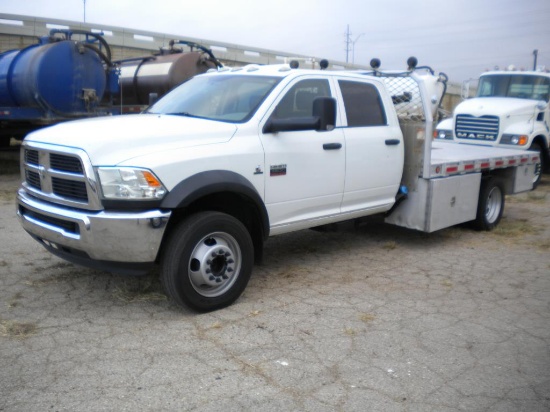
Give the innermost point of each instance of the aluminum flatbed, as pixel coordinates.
(450, 158)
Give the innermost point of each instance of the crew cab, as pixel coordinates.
(199, 181)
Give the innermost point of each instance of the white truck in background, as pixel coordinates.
(199, 181)
(510, 109)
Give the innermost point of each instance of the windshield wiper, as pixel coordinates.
(185, 114)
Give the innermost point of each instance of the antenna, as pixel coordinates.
(84, 10)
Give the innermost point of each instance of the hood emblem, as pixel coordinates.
(42, 172)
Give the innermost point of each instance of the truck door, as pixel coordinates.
(374, 147)
(304, 176)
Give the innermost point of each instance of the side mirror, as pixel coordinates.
(325, 109)
(323, 118)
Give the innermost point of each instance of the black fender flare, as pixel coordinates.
(215, 181)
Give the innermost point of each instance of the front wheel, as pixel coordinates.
(490, 205)
(207, 261)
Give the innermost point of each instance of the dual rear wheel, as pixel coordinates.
(490, 204)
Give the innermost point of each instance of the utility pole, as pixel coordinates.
(350, 44)
(84, 10)
(535, 54)
(348, 41)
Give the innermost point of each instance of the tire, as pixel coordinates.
(490, 205)
(207, 261)
(540, 167)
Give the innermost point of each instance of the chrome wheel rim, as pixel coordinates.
(494, 204)
(214, 264)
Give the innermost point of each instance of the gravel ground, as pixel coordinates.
(368, 318)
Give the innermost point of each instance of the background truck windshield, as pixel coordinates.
(228, 98)
(519, 86)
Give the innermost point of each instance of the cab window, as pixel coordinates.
(363, 104)
(298, 101)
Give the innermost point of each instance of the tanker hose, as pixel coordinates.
(99, 53)
(97, 36)
(198, 46)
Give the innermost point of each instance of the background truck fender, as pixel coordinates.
(212, 182)
(446, 124)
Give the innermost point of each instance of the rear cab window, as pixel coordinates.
(363, 104)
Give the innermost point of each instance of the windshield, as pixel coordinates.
(519, 86)
(227, 98)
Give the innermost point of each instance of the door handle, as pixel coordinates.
(392, 142)
(332, 146)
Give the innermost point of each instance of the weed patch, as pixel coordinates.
(366, 317)
(138, 292)
(17, 330)
(514, 228)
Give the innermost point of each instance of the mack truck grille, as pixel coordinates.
(476, 128)
(59, 178)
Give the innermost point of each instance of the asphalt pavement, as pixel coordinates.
(362, 318)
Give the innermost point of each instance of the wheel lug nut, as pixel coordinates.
(213, 254)
(227, 254)
(229, 270)
(208, 271)
(220, 252)
(208, 262)
(218, 280)
(211, 278)
(230, 261)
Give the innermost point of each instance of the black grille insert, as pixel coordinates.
(31, 157)
(33, 179)
(70, 189)
(65, 163)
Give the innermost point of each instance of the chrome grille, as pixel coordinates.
(62, 177)
(476, 128)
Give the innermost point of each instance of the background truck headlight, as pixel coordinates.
(130, 183)
(443, 134)
(515, 139)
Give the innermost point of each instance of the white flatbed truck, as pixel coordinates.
(199, 181)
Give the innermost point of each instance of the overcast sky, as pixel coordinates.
(459, 37)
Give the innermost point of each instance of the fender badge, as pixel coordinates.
(258, 170)
(277, 170)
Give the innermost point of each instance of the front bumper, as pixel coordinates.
(123, 242)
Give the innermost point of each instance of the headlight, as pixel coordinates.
(130, 183)
(516, 139)
(443, 134)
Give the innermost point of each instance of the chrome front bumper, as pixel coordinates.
(129, 239)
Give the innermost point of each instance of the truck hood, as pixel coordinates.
(496, 106)
(112, 140)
